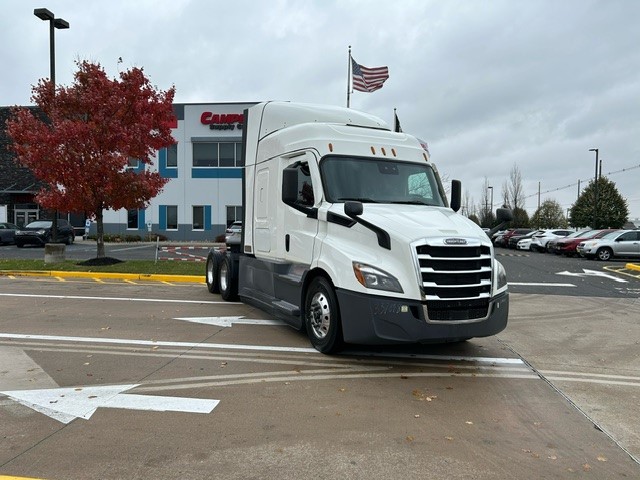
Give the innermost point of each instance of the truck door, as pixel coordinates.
(299, 222)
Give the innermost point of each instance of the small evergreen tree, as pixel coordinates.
(610, 211)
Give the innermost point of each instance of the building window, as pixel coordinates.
(198, 217)
(172, 217)
(227, 154)
(217, 154)
(172, 156)
(233, 213)
(132, 219)
(205, 154)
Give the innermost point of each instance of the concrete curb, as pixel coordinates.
(99, 275)
(633, 266)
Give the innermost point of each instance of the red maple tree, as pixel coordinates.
(82, 142)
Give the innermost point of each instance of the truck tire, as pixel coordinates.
(211, 271)
(322, 316)
(228, 279)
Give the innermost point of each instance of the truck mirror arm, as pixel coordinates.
(504, 216)
(354, 210)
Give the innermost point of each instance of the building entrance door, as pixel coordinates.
(22, 217)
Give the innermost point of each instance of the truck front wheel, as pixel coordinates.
(322, 316)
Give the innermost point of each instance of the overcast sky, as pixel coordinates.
(488, 84)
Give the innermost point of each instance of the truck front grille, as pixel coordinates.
(456, 281)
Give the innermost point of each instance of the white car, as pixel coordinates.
(524, 244)
(540, 240)
(621, 243)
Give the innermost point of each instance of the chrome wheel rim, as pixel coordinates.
(319, 315)
(210, 278)
(223, 277)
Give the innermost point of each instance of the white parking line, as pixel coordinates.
(120, 299)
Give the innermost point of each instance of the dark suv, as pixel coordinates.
(39, 233)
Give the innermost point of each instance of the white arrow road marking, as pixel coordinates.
(67, 404)
(592, 273)
(229, 321)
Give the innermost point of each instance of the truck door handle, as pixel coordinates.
(286, 242)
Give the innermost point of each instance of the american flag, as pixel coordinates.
(368, 79)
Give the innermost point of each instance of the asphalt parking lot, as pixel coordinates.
(139, 378)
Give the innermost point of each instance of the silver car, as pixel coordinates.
(233, 233)
(621, 243)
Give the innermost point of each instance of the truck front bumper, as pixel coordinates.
(376, 320)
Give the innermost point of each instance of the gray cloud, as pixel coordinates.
(487, 84)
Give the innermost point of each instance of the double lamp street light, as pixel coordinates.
(59, 23)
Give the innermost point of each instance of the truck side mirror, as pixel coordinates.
(290, 185)
(504, 215)
(353, 209)
(456, 195)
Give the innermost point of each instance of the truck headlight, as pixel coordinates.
(501, 277)
(371, 277)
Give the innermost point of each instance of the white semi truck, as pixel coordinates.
(348, 234)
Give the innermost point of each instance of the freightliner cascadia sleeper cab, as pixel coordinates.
(348, 234)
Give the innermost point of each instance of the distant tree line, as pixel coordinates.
(609, 211)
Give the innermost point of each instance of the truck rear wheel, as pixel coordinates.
(322, 316)
(211, 271)
(228, 279)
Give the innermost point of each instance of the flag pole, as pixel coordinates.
(349, 77)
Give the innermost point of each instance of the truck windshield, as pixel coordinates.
(379, 181)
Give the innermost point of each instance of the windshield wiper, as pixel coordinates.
(409, 202)
(357, 199)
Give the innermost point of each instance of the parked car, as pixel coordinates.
(620, 243)
(504, 240)
(39, 233)
(567, 246)
(233, 233)
(514, 239)
(526, 242)
(539, 241)
(7, 233)
(496, 238)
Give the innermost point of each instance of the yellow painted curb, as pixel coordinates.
(633, 266)
(120, 276)
(9, 477)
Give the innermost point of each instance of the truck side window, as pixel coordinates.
(305, 196)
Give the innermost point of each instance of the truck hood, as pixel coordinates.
(412, 222)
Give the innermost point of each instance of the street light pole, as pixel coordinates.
(59, 23)
(491, 188)
(595, 206)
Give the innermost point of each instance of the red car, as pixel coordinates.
(504, 240)
(567, 245)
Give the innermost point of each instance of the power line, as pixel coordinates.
(579, 181)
